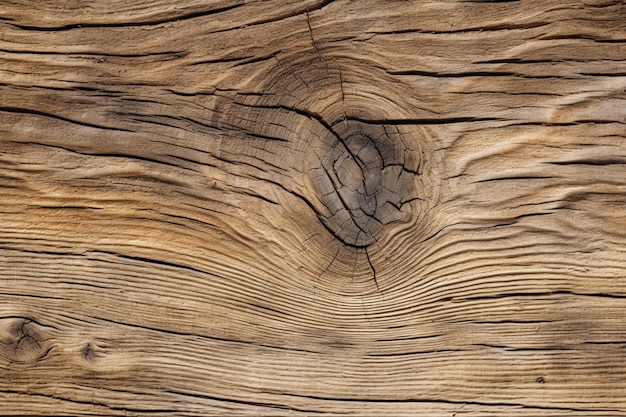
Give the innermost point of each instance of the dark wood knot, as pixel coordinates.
(362, 181)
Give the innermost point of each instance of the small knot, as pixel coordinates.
(24, 341)
(362, 181)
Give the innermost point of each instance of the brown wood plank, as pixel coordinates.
(313, 208)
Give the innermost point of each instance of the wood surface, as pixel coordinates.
(268, 208)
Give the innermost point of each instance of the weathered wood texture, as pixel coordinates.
(313, 207)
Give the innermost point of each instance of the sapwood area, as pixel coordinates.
(268, 208)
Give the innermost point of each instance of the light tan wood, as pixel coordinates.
(372, 208)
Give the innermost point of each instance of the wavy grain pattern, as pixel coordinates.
(313, 208)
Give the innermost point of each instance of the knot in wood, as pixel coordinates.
(22, 340)
(343, 125)
(360, 181)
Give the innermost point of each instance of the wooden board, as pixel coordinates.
(267, 208)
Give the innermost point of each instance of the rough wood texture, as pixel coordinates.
(313, 207)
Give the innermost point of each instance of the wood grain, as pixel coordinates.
(336, 208)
